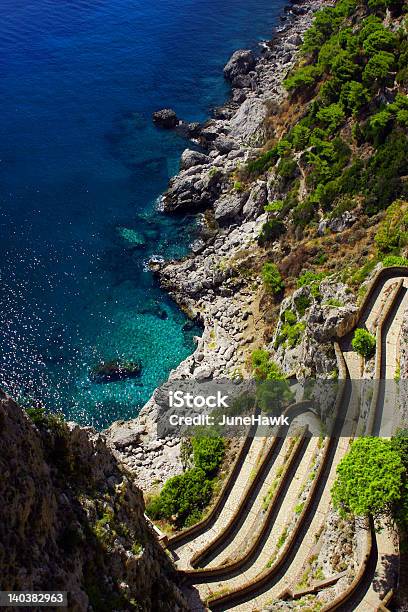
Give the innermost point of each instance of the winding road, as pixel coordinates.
(253, 547)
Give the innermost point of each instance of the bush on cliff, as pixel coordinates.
(183, 498)
(369, 479)
(392, 233)
(208, 453)
(272, 279)
(363, 343)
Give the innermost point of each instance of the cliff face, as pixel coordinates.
(71, 520)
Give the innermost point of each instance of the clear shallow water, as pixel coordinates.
(80, 161)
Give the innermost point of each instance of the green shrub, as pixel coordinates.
(264, 368)
(312, 280)
(377, 69)
(382, 178)
(287, 168)
(332, 116)
(37, 414)
(363, 273)
(380, 40)
(302, 303)
(353, 96)
(394, 260)
(369, 478)
(303, 79)
(333, 302)
(392, 233)
(262, 163)
(272, 278)
(208, 453)
(184, 497)
(363, 343)
(299, 136)
(290, 334)
(271, 231)
(303, 213)
(274, 207)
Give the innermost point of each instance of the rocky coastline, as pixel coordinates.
(211, 284)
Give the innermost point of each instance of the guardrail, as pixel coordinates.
(195, 576)
(344, 597)
(192, 532)
(199, 557)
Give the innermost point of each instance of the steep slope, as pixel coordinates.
(71, 519)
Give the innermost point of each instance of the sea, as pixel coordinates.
(82, 169)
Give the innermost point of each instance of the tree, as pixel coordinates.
(183, 496)
(369, 479)
(303, 78)
(300, 135)
(272, 278)
(363, 343)
(379, 124)
(380, 40)
(353, 96)
(377, 68)
(343, 67)
(332, 116)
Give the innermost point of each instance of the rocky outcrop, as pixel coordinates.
(192, 189)
(309, 320)
(165, 118)
(71, 519)
(191, 158)
(239, 66)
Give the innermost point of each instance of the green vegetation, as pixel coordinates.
(347, 63)
(363, 343)
(312, 280)
(302, 303)
(394, 260)
(271, 231)
(370, 478)
(392, 233)
(290, 333)
(208, 453)
(184, 497)
(333, 302)
(272, 278)
(264, 368)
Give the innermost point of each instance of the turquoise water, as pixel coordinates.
(80, 166)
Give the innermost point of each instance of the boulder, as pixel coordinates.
(190, 158)
(338, 224)
(124, 433)
(192, 189)
(114, 370)
(165, 118)
(240, 64)
(258, 197)
(247, 125)
(229, 205)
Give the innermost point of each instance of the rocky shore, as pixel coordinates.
(213, 284)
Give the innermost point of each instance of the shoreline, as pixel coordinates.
(208, 284)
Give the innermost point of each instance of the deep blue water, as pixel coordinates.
(80, 161)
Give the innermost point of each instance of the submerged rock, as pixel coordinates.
(115, 370)
(131, 237)
(165, 118)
